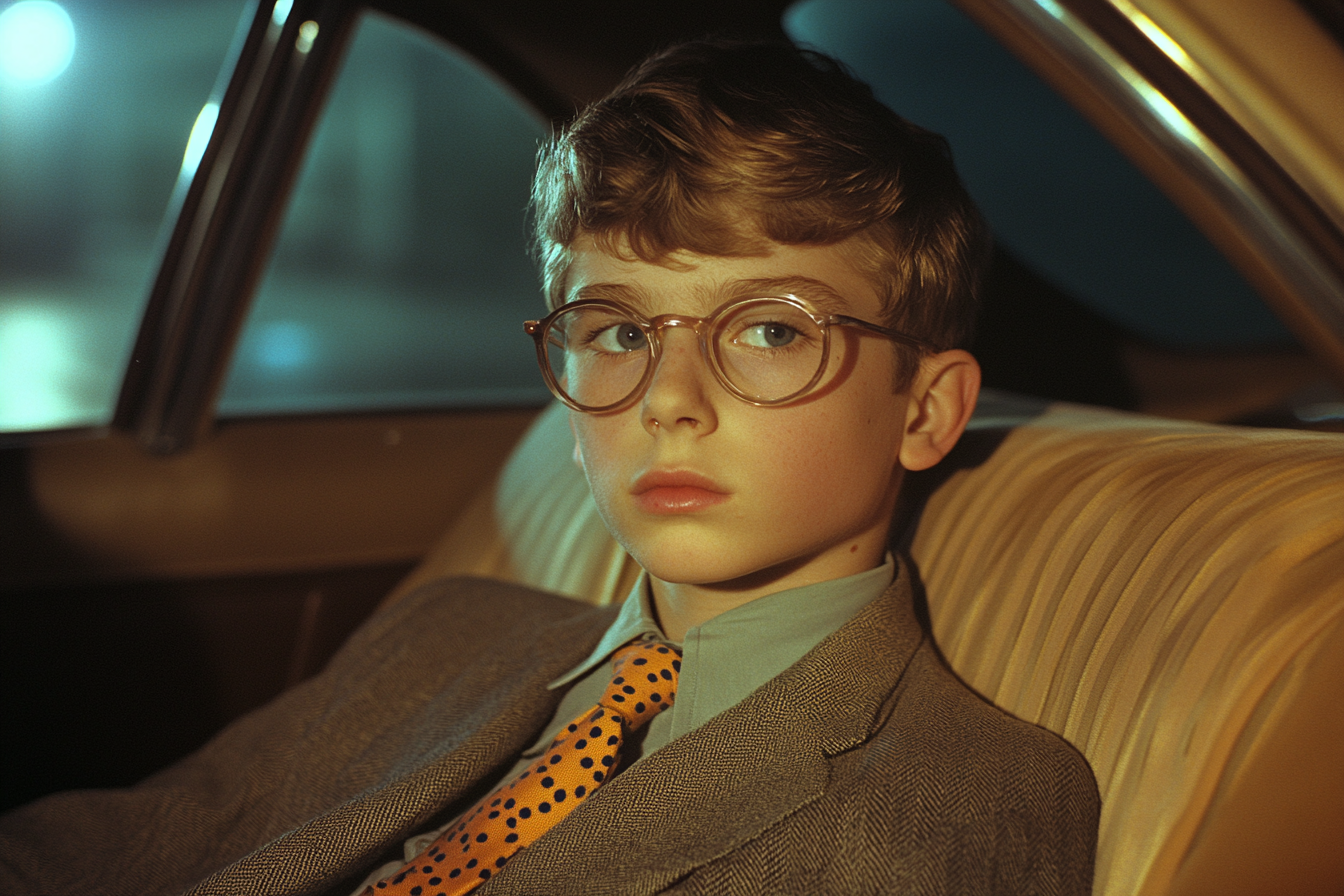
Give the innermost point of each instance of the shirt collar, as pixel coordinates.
(777, 629)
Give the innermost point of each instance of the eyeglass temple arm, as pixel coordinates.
(896, 335)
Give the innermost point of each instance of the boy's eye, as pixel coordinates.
(766, 335)
(621, 337)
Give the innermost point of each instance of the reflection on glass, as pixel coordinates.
(307, 34)
(200, 137)
(280, 13)
(401, 273)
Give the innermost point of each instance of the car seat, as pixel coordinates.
(1167, 596)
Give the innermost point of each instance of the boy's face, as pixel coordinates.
(702, 488)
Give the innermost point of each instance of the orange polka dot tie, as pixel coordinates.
(586, 753)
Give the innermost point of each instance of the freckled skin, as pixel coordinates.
(812, 484)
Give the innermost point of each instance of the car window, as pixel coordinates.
(96, 105)
(401, 275)
(1056, 193)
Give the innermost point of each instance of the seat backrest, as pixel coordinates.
(1167, 596)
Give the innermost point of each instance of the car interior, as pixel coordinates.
(231, 430)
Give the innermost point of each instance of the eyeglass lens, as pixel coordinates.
(767, 349)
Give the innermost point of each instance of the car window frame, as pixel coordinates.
(1090, 51)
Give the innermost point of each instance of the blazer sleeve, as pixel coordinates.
(426, 673)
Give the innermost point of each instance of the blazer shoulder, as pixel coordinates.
(469, 614)
(999, 786)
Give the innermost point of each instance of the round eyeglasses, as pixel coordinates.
(599, 356)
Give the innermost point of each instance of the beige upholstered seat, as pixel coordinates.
(1167, 596)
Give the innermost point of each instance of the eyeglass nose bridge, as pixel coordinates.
(697, 324)
(655, 327)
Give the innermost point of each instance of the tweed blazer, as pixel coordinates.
(866, 767)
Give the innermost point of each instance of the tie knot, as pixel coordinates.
(644, 681)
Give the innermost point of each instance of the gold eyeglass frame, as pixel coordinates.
(706, 330)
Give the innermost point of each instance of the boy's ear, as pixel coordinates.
(942, 398)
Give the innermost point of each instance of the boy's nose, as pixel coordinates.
(679, 393)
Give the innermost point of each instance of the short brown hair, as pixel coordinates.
(716, 146)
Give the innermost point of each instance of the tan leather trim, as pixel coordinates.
(268, 495)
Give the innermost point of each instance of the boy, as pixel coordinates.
(759, 277)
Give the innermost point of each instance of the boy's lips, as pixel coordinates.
(679, 491)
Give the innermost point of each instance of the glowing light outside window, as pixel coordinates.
(37, 42)
(281, 12)
(285, 345)
(41, 371)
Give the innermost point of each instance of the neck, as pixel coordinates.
(681, 607)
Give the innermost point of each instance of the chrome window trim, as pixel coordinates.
(1137, 70)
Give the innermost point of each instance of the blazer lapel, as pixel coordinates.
(705, 794)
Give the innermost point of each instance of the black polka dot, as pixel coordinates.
(653, 678)
(435, 881)
(667, 676)
(580, 744)
(619, 679)
(499, 862)
(524, 812)
(482, 837)
(511, 838)
(485, 874)
(511, 822)
(607, 761)
(508, 804)
(415, 891)
(471, 864)
(495, 803)
(494, 813)
(548, 781)
(596, 732)
(560, 796)
(639, 708)
(618, 698)
(580, 791)
(427, 868)
(543, 808)
(656, 697)
(597, 776)
(454, 873)
(573, 728)
(613, 741)
(629, 689)
(662, 649)
(676, 664)
(555, 759)
(586, 762)
(640, 660)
